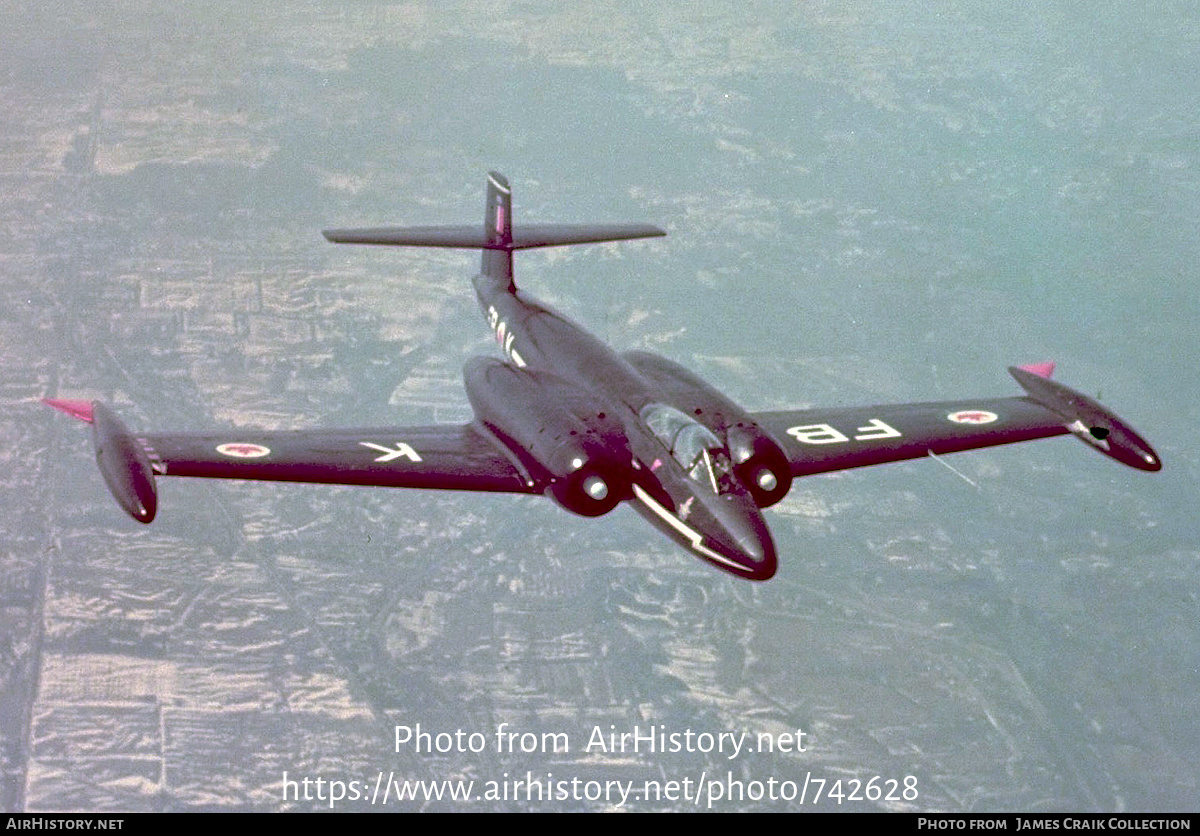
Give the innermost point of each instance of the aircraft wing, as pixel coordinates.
(456, 457)
(821, 440)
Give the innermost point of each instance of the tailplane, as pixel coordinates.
(498, 237)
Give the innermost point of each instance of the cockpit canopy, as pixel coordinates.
(697, 449)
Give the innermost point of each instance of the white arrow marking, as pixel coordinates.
(390, 453)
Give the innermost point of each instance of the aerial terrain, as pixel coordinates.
(865, 202)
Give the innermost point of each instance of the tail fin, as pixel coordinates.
(498, 237)
(496, 262)
(497, 219)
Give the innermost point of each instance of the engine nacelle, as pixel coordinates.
(588, 481)
(588, 472)
(760, 464)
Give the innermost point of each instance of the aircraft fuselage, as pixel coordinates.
(699, 504)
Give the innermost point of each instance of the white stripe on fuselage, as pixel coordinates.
(695, 538)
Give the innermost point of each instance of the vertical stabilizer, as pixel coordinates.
(497, 230)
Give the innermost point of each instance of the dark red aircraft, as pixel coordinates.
(564, 414)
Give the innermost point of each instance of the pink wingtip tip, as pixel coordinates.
(76, 409)
(1040, 369)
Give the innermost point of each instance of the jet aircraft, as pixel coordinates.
(564, 414)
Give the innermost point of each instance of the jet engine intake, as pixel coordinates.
(587, 481)
(759, 463)
(585, 472)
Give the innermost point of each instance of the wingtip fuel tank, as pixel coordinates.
(123, 463)
(1087, 419)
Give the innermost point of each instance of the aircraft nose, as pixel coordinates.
(749, 544)
(759, 556)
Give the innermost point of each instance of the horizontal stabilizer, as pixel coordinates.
(528, 236)
(524, 236)
(465, 237)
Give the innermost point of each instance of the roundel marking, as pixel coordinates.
(973, 416)
(243, 450)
